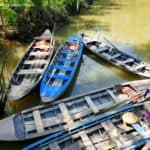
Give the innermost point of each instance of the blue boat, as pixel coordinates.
(61, 71)
(106, 131)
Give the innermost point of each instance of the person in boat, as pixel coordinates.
(42, 45)
(131, 93)
(73, 47)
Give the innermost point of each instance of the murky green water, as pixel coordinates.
(125, 22)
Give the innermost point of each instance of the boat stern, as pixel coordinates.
(7, 130)
(17, 92)
(45, 99)
(49, 93)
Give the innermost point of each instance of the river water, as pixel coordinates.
(124, 22)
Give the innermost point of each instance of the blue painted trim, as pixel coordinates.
(61, 67)
(138, 143)
(66, 52)
(66, 60)
(56, 76)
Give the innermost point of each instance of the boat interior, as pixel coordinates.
(63, 65)
(111, 134)
(32, 65)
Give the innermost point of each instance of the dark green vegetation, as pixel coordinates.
(24, 19)
(3, 91)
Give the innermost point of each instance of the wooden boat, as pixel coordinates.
(62, 114)
(106, 50)
(29, 71)
(105, 132)
(62, 69)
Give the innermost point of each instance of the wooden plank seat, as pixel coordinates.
(78, 109)
(57, 83)
(66, 60)
(46, 122)
(105, 105)
(126, 61)
(26, 81)
(30, 71)
(64, 68)
(91, 104)
(39, 53)
(66, 114)
(129, 60)
(38, 61)
(114, 56)
(81, 114)
(101, 49)
(63, 77)
(113, 131)
(42, 46)
(86, 141)
(139, 66)
(115, 98)
(66, 52)
(38, 121)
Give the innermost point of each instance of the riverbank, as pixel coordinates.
(23, 21)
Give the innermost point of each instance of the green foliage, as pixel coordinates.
(10, 16)
(56, 6)
(74, 6)
(30, 17)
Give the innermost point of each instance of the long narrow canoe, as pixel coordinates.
(105, 132)
(29, 71)
(62, 69)
(104, 49)
(64, 113)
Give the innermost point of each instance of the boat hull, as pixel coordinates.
(106, 131)
(107, 51)
(29, 71)
(62, 69)
(65, 113)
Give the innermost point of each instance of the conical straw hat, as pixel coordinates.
(129, 117)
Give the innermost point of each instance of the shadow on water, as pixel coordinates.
(143, 51)
(119, 72)
(30, 100)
